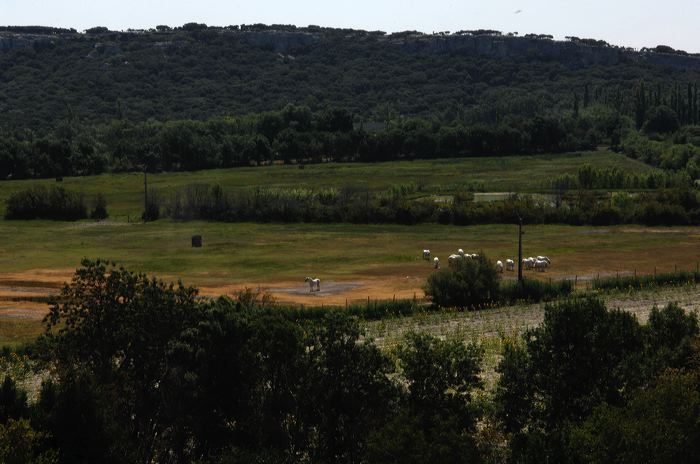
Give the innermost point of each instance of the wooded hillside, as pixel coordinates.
(196, 72)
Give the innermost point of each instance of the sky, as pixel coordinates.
(632, 23)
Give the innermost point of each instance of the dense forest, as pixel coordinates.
(197, 72)
(198, 97)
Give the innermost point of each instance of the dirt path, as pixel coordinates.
(333, 292)
(21, 293)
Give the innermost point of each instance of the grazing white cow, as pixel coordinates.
(499, 266)
(452, 259)
(460, 252)
(510, 265)
(436, 263)
(313, 283)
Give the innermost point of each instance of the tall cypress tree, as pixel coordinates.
(640, 105)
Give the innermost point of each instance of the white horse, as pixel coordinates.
(313, 283)
(426, 254)
(460, 252)
(529, 263)
(452, 259)
(499, 266)
(540, 265)
(544, 258)
(510, 265)
(436, 263)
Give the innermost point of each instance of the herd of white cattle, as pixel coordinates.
(539, 263)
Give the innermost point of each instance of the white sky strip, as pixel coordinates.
(633, 23)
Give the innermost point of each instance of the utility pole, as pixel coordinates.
(520, 248)
(145, 193)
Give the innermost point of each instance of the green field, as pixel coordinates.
(511, 173)
(272, 252)
(384, 259)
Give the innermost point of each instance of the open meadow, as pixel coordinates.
(124, 192)
(353, 261)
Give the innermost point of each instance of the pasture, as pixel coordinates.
(124, 192)
(353, 261)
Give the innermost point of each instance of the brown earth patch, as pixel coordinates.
(333, 292)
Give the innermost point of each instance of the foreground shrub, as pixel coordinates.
(149, 372)
(468, 283)
(535, 290)
(660, 424)
(100, 211)
(584, 357)
(21, 444)
(40, 202)
(646, 281)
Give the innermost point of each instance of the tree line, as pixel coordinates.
(399, 205)
(671, 206)
(292, 135)
(153, 373)
(296, 134)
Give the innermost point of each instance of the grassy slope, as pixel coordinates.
(514, 173)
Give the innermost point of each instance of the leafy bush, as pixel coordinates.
(659, 424)
(153, 205)
(584, 360)
(468, 283)
(100, 211)
(21, 444)
(661, 119)
(40, 202)
(535, 290)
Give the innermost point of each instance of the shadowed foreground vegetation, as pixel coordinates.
(153, 373)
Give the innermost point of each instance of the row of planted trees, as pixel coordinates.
(292, 135)
(676, 206)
